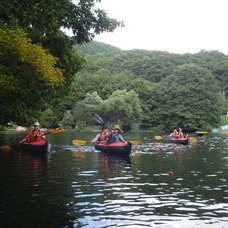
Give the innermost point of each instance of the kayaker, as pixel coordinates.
(115, 135)
(34, 135)
(180, 133)
(102, 136)
(174, 134)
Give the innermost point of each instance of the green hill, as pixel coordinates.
(94, 47)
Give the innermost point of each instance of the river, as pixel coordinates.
(160, 185)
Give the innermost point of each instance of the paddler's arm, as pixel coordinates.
(121, 138)
(96, 138)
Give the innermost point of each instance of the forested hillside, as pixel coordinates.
(150, 89)
(94, 47)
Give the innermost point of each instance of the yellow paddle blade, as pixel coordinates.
(78, 142)
(57, 130)
(5, 148)
(193, 138)
(135, 142)
(157, 137)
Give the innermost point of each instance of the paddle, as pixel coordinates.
(157, 137)
(7, 147)
(83, 142)
(100, 121)
(103, 123)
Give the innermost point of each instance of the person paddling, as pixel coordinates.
(115, 135)
(180, 133)
(174, 134)
(102, 136)
(34, 135)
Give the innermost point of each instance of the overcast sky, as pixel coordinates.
(177, 26)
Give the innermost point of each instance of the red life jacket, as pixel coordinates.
(102, 137)
(33, 135)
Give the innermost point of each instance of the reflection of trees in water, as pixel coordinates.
(79, 158)
(10, 137)
(44, 190)
(110, 164)
(35, 166)
(181, 151)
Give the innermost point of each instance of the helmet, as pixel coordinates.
(36, 124)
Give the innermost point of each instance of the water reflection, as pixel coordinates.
(35, 166)
(110, 165)
(82, 187)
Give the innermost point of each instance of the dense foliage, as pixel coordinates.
(42, 75)
(190, 97)
(26, 74)
(174, 90)
(25, 77)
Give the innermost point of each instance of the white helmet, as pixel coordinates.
(36, 124)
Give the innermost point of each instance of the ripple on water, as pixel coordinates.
(91, 190)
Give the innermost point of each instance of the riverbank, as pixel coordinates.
(17, 128)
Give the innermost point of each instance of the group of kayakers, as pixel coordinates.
(177, 133)
(104, 136)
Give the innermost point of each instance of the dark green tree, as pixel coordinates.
(190, 98)
(122, 107)
(43, 21)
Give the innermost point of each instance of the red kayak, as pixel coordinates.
(120, 148)
(39, 146)
(183, 140)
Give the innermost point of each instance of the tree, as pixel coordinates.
(27, 73)
(68, 119)
(122, 107)
(43, 22)
(190, 98)
(48, 119)
(84, 109)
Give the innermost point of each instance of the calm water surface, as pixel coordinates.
(77, 186)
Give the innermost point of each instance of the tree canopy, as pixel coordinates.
(121, 107)
(41, 69)
(190, 98)
(37, 55)
(26, 73)
(174, 90)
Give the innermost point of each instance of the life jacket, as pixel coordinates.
(102, 137)
(113, 138)
(32, 135)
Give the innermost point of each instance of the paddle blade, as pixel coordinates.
(5, 148)
(78, 142)
(57, 130)
(193, 138)
(135, 142)
(100, 121)
(157, 137)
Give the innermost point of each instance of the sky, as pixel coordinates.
(176, 26)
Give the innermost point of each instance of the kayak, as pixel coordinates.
(120, 148)
(40, 146)
(182, 140)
